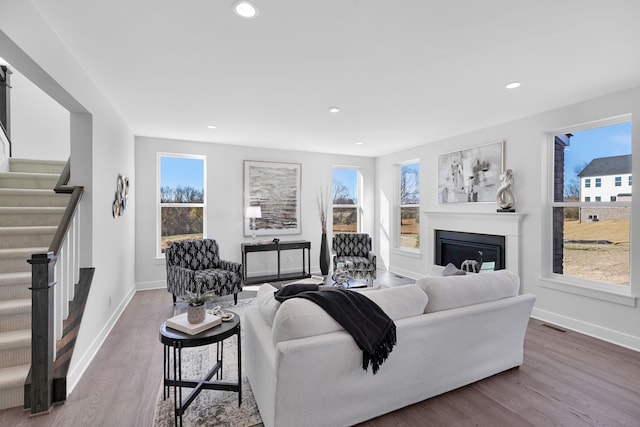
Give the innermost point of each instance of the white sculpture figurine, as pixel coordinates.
(505, 197)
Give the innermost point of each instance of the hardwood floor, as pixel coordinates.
(567, 379)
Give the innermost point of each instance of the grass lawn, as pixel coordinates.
(602, 262)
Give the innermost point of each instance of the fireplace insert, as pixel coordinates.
(457, 247)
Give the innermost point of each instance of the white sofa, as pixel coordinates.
(305, 370)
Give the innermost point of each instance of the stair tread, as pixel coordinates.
(15, 339)
(31, 191)
(27, 229)
(13, 376)
(26, 174)
(29, 251)
(6, 277)
(38, 161)
(15, 306)
(31, 209)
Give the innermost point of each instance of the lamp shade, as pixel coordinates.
(253, 212)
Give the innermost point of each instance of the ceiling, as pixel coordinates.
(403, 72)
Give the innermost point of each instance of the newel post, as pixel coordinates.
(42, 275)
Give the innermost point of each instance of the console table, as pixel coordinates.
(303, 245)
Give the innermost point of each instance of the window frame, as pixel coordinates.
(160, 205)
(358, 196)
(398, 211)
(614, 293)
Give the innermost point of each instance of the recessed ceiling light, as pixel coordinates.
(359, 143)
(513, 85)
(334, 109)
(212, 126)
(245, 8)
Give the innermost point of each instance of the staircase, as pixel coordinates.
(30, 212)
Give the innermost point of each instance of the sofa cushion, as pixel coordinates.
(458, 291)
(267, 304)
(300, 318)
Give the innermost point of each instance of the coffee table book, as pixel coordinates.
(180, 323)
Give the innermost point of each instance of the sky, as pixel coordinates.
(586, 145)
(349, 178)
(180, 171)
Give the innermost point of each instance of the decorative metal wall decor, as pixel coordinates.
(470, 175)
(275, 187)
(122, 196)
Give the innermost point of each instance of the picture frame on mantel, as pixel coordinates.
(275, 188)
(470, 175)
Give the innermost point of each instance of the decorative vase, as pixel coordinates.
(324, 255)
(196, 313)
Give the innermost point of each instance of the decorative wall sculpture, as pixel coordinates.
(122, 196)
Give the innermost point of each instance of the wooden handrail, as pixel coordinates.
(76, 194)
(6, 135)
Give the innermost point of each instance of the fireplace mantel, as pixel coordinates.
(502, 224)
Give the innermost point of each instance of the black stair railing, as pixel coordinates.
(42, 388)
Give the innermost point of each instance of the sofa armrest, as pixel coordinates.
(236, 267)
(372, 257)
(179, 279)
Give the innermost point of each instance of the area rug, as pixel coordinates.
(213, 407)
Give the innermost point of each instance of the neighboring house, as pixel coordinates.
(606, 179)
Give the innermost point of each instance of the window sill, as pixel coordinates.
(601, 292)
(411, 253)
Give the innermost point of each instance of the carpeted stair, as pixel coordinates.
(30, 212)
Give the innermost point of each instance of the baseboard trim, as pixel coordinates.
(155, 284)
(77, 370)
(586, 328)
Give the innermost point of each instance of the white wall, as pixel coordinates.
(39, 125)
(526, 152)
(225, 200)
(102, 146)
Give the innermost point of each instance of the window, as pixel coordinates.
(591, 242)
(409, 191)
(618, 181)
(630, 180)
(346, 202)
(181, 195)
(587, 183)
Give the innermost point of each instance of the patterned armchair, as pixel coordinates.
(355, 251)
(193, 261)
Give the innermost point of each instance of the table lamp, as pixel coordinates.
(253, 212)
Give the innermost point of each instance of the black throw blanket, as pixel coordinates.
(368, 324)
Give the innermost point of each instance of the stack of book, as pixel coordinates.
(180, 323)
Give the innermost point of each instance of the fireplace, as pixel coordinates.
(457, 247)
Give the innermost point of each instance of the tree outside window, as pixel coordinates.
(409, 205)
(182, 199)
(345, 200)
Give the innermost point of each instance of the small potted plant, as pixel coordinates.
(196, 299)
